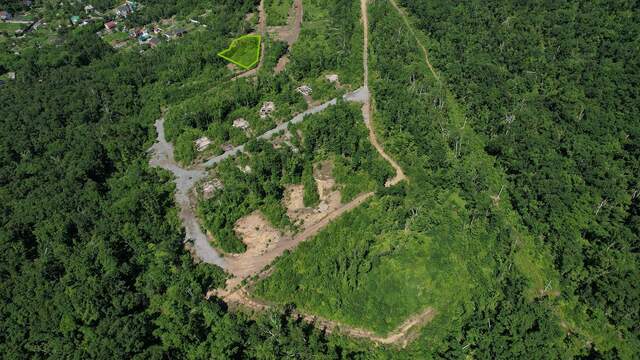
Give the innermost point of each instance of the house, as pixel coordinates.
(240, 123)
(74, 19)
(332, 78)
(266, 109)
(143, 35)
(110, 25)
(153, 42)
(136, 32)
(226, 147)
(5, 15)
(124, 10)
(202, 143)
(88, 9)
(11, 75)
(304, 90)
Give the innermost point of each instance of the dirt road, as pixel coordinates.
(367, 107)
(401, 336)
(405, 18)
(262, 29)
(162, 155)
(243, 267)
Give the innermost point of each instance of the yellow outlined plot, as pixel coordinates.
(243, 51)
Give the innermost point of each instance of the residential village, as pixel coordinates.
(15, 26)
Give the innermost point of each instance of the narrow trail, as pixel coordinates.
(401, 336)
(262, 30)
(405, 18)
(367, 108)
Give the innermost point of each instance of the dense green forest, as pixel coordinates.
(92, 259)
(554, 89)
(519, 224)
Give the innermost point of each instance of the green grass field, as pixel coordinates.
(277, 11)
(115, 37)
(243, 51)
(10, 28)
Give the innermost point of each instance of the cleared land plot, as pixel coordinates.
(10, 28)
(243, 51)
(277, 11)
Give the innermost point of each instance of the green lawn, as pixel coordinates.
(277, 11)
(10, 27)
(115, 37)
(243, 51)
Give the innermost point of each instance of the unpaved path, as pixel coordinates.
(262, 29)
(247, 265)
(405, 18)
(185, 179)
(401, 336)
(290, 32)
(162, 156)
(367, 107)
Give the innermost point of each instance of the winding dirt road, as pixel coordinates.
(367, 107)
(262, 29)
(405, 18)
(162, 155)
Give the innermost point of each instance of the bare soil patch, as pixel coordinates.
(282, 64)
(260, 236)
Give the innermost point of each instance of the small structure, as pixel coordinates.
(180, 32)
(110, 25)
(266, 109)
(75, 19)
(5, 15)
(226, 147)
(304, 90)
(202, 143)
(27, 3)
(332, 78)
(143, 36)
(135, 32)
(240, 123)
(153, 42)
(11, 75)
(88, 9)
(125, 9)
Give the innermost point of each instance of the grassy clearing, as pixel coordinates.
(115, 37)
(10, 28)
(243, 51)
(277, 11)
